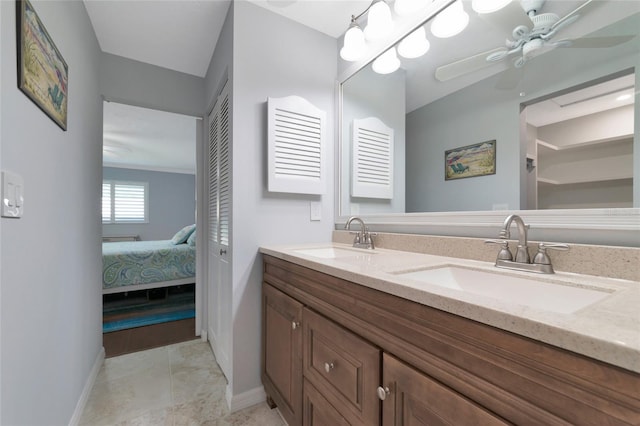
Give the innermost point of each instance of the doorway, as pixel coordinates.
(150, 284)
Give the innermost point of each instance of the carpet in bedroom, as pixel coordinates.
(147, 307)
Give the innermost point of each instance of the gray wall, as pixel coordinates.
(137, 83)
(387, 103)
(172, 203)
(452, 122)
(51, 261)
(286, 58)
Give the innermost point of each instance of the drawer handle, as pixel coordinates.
(294, 325)
(383, 392)
(328, 366)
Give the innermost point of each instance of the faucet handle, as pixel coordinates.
(505, 253)
(542, 257)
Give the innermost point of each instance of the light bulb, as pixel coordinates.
(354, 44)
(488, 6)
(407, 7)
(379, 22)
(386, 63)
(450, 21)
(414, 45)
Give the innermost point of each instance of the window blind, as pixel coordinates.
(124, 202)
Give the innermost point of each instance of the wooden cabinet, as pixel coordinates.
(343, 367)
(282, 352)
(439, 368)
(413, 398)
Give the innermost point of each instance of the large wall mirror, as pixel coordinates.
(547, 124)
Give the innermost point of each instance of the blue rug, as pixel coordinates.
(151, 319)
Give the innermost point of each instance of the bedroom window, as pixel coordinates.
(124, 202)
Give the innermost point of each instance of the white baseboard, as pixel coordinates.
(245, 399)
(84, 397)
(203, 335)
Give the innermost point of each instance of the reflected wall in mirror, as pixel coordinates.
(554, 150)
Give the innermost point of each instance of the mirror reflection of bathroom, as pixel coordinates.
(580, 146)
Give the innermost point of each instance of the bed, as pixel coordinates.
(144, 265)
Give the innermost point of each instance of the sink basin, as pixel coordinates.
(555, 297)
(332, 252)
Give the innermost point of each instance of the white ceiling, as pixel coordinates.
(181, 35)
(141, 138)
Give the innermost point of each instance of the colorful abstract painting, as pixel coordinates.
(471, 160)
(42, 72)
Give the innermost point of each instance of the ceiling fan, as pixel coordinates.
(530, 41)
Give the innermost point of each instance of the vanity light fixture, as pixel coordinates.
(450, 21)
(386, 63)
(379, 25)
(488, 6)
(407, 7)
(379, 21)
(354, 43)
(414, 45)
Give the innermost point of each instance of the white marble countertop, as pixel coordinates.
(608, 330)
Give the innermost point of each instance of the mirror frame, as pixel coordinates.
(609, 226)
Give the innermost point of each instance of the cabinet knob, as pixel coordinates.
(223, 251)
(383, 392)
(294, 325)
(328, 366)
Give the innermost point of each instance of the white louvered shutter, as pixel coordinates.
(372, 159)
(297, 146)
(225, 169)
(213, 174)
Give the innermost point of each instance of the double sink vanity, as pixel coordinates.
(367, 337)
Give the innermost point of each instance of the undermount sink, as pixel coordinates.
(332, 252)
(555, 297)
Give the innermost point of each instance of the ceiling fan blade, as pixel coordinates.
(596, 42)
(465, 66)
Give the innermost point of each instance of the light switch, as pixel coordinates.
(316, 210)
(12, 195)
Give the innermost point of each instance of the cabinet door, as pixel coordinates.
(343, 367)
(317, 410)
(282, 353)
(415, 399)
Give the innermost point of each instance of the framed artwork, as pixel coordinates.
(42, 72)
(469, 161)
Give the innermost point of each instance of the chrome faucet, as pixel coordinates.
(363, 238)
(522, 253)
(541, 261)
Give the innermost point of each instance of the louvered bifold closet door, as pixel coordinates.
(225, 170)
(213, 174)
(372, 159)
(297, 146)
(219, 286)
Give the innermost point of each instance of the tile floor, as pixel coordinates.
(174, 385)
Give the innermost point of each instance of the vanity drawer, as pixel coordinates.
(343, 367)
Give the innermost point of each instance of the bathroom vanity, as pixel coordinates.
(348, 340)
